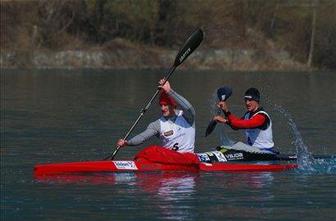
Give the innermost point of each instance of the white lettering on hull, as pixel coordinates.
(125, 165)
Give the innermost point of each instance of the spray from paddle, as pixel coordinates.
(306, 161)
(305, 158)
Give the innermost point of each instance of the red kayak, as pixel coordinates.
(126, 166)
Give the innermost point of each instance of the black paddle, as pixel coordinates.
(223, 94)
(189, 46)
(211, 126)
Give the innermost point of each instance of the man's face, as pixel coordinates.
(167, 110)
(251, 105)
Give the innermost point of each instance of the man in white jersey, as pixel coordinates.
(175, 128)
(256, 122)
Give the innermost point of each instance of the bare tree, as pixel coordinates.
(313, 31)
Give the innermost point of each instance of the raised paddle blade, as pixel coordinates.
(190, 45)
(211, 126)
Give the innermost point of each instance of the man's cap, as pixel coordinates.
(252, 94)
(165, 99)
(223, 93)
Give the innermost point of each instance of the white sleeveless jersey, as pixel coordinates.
(260, 138)
(178, 135)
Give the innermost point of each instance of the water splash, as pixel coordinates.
(224, 138)
(325, 165)
(305, 158)
(213, 103)
(306, 161)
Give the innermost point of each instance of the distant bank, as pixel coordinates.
(226, 59)
(123, 55)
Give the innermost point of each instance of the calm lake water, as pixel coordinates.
(58, 115)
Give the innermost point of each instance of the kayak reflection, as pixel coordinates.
(173, 194)
(148, 181)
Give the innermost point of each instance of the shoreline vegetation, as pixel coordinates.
(239, 35)
(144, 57)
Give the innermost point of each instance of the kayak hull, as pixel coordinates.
(244, 167)
(108, 166)
(105, 166)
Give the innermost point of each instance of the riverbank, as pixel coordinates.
(226, 59)
(121, 54)
(239, 35)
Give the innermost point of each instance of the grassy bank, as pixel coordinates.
(240, 34)
(121, 54)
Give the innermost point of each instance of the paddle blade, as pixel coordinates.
(211, 127)
(189, 46)
(223, 93)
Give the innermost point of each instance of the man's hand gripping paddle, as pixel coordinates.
(189, 46)
(223, 94)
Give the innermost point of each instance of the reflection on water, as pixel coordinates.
(172, 192)
(175, 194)
(168, 190)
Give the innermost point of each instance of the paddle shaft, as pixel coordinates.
(149, 103)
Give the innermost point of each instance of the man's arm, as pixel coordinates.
(188, 110)
(152, 130)
(256, 121)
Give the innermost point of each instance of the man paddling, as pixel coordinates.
(256, 122)
(175, 128)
